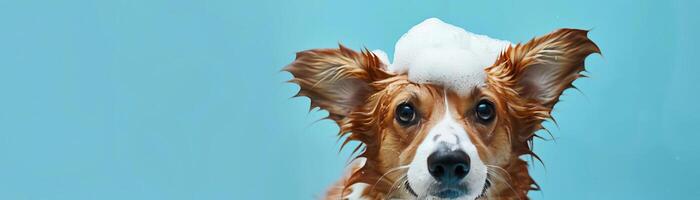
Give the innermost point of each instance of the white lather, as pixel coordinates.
(439, 53)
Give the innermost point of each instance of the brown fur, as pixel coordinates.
(360, 97)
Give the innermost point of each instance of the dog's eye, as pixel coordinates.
(406, 114)
(484, 111)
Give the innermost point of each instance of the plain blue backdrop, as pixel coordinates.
(153, 99)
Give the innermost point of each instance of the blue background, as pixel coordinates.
(184, 99)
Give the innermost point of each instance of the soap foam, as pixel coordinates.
(435, 52)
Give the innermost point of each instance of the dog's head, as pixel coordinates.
(453, 113)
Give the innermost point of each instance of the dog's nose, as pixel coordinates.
(448, 166)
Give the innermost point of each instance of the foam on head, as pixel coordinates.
(439, 53)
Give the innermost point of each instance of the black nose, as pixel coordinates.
(448, 166)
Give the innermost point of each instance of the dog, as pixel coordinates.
(450, 118)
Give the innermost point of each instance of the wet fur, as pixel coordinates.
(360, 96)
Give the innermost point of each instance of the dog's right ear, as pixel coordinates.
(337, 80)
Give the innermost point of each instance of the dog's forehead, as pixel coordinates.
(434, 52)
(435, 98)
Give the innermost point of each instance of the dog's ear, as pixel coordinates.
(540, 70)
(337, 80)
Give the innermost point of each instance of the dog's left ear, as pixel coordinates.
(543, 68)
(337, 80)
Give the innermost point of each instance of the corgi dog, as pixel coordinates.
(449, 118)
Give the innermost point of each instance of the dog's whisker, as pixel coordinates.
(401, 183)
(498, 175)
(387, 173)
(491, 167)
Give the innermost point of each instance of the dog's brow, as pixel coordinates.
(478, 88)
(414, 95)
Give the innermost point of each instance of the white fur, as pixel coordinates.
(439, 53)
(357, 190)
(451, 132)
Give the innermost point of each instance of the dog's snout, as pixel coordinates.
(448, 166)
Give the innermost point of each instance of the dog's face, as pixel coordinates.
(429, 140)
(442, 140)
